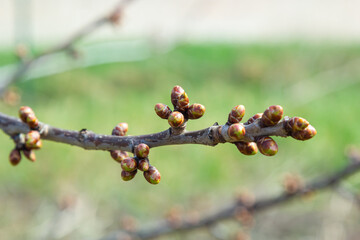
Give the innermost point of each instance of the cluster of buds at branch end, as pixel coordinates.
(182, 109)
(300, 129)
(27, 115)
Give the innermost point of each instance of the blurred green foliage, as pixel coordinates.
(201, 177)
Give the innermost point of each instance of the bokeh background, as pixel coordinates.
(303, 55)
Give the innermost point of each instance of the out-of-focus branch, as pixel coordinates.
(230, 212)
(24, 66)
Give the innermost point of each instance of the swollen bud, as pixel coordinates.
(247, 148)
(162, 110)
(32, 140)
(305, 134)
(176, 119)
(32, 121)
(143, 164)
(142, 150)
(236, 114)
(127, 176)
(272, 115)
(253, 118)
(236, 131)
(120, 129)
(118, 155)
(15, 157)
(24, 111)
(152, 175)
(196, 111)
(295, 124)
(179, 98)
(267, 146)
(129, 164)
(29, 154)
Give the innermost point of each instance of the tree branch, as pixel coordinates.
(210, 136)
(164, 228)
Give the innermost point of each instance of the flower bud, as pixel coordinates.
(142, 150)
(236, 131)
(295, 124)
(32, 121)
(253, 118)
(272, 115)
(32, 140)
(24, 111)
(152, 175)
(128, 164)
(247, 148)
(236, 114)
(267, 146)
(118, 155)
(29, 154)
(305, 134)
(143, 164)
(162, 110)
(120, 129)
(179, 98)
(196, 111)
(176, 119)
(15, 157)
(127, 176)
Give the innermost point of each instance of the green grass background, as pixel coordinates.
(193, 177)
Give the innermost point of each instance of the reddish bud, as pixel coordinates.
(162, 110)
(128, 164)
(142, 150)
(32, 121)
(29, 154)
(143, 164)
(118, 155)
(295, 124)
(236, 131)
(247, 148)
(32, 140)
(305, 134)
(120, 129)
(176, 119)
(152, 175)
(196, 111)
(236, 114)
(179, 98)
(272, 115)
(24, 111)
(292, 183)
(15, 157)
(253, 118)
(267, 146)
(127, 176)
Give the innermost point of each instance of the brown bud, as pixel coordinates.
(179, 98)
(162, 110)
(127, 176)
(32, 121)
(176, 119)
(236, 114)
(305, 134)
(267, 146)
(244, 216)
(118, 155)
(196, 111)
(236, 131)
(24, 111)
(142, 150)
(15, 157)
(115, 16)
(120, 129)
(129, 164)
(152, 175)
(32, 140)
(253, 118)
(292, 183)
(29, 154)
(247, 148)
(143, 164)
(296, 124)
(272, 115)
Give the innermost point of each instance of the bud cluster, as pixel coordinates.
(31, 141)
(300, 129)
(119, 130)
(182, 109)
